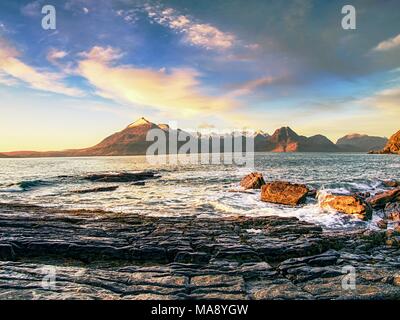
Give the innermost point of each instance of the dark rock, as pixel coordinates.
(363, 195)
(7, 252)
(382, 224)
(104, 255)
(312, 193)
(200, 258)
(100, 189)
(121, 177)
(284, 193)
(139, 183)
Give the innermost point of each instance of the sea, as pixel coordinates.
(199, 190)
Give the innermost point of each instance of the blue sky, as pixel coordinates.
(224, 64)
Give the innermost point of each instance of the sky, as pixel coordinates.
(202, 64)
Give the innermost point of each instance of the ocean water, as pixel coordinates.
(196, 190)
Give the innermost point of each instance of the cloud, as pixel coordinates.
(388, 100)
(7, 80)
(32, 9)
(196, 34)
(177, 90)
(12, 66)
(252, 85)
(388, 44)
(101, 54)
(54, 55)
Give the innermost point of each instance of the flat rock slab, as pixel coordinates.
(54, 254)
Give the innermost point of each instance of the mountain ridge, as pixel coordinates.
(132, 141)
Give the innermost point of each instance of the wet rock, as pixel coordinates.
(284, 193)
(200, 258)
(100, 189)
(121, 177)
(312, 193)
(363, 195)
(382, 224)
(103, 255)
(253, 180)
(391, 183)
(7, 252)
(392, 211)
(139, 183)
(383, 198)
(348, 205)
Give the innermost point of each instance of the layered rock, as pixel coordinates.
(121, 177)
(347, 204)
(381, 199)
(392, 146)
(282, 192)
(104, 255)
(254, 180)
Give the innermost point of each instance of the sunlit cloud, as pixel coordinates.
(54, 55)
(197, 34)
(176, 90)
(387, 100)
(388, 44)
(12, 66)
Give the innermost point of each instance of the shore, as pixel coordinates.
(104, 255)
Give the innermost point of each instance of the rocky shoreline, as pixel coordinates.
(104, 255)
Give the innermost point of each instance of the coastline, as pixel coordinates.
(104, 255)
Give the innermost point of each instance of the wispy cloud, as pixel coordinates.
(387, 100)
(12, 65)
(388, 44)
(55, 55)
(177, 90)
(195, 33)
(252, 85)
(32, 9)
(7, 80)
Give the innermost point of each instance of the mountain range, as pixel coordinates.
(132, 141)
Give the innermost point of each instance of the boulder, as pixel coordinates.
(391, 183)
(382, 224)
(253, 180)
(284, 193)
(392, 211)
(347, 204)
(393, 145)
(381, 199)
(121, 177)
(100, 189)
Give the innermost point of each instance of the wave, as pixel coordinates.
(26, 185)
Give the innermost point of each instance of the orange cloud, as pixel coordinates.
(388, 44)
(177, 90)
